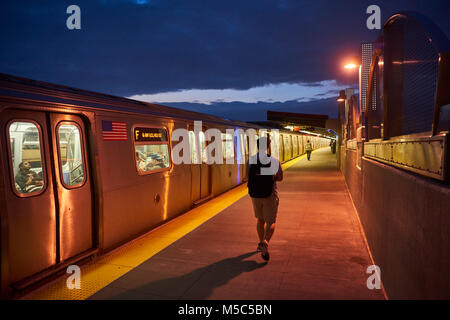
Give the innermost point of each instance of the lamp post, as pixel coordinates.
(351, 65)
(341, 112)
(342, 96)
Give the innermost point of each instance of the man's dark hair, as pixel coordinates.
(263, 140)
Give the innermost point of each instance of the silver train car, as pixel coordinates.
(83, 173)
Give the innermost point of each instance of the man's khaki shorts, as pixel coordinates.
(266, 208)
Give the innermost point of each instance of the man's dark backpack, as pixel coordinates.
(259, 186)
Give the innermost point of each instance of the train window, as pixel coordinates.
(151, 149)
(194, 147)
(202, 139)
(26, 157)
(246, 138)
(242, 146)
(252, 145)
(227, 146)
(70, 154)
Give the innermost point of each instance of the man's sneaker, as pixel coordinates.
(265, 251)
(260, 247)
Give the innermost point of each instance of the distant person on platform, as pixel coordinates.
(308, 148)
(333, 146)
(263, 173)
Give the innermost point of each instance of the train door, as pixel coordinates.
(281, 148)
(245, 144)
(294, 146)
(48, 196)
(289, 146)
(286, 147)
(205, 185)
(72, 184)
(240, 155)
(200, 170)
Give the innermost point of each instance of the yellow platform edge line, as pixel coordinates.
(100, 273)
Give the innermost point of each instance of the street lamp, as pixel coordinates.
(350, 66)
(342, 96)
(353, 63)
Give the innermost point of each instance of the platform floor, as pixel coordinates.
(317, 251)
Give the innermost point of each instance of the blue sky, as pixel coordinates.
(197, 54)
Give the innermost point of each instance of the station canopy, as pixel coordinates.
(299, 122)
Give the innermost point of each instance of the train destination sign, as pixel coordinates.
(150, 134)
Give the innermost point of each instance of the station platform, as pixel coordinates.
(318, 250)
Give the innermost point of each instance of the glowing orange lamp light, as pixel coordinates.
(350, 66)
(342, 96)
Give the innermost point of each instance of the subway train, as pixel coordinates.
(83, 173)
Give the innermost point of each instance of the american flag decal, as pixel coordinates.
(114, 131)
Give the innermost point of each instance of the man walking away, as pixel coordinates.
(308, 148)
(262, 189)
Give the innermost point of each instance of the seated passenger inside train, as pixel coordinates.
(149, 162)
(140, 162)
(28, 180)
(157, 162)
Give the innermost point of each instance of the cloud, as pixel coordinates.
(280, 92)
(257, 111)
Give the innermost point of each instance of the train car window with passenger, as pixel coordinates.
(151, 149)
(26, 157)
(70, 155)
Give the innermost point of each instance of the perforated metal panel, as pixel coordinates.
(412, 63)
(366, 58)
(375, 110)
(420, 74)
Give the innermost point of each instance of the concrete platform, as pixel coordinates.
(317, 252)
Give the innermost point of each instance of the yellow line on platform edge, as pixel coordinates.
(98, 274)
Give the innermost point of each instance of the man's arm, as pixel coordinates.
(23, 180)
(279, 175)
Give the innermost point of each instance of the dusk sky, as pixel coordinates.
(234, 59)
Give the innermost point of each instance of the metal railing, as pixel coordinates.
(407, 104)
